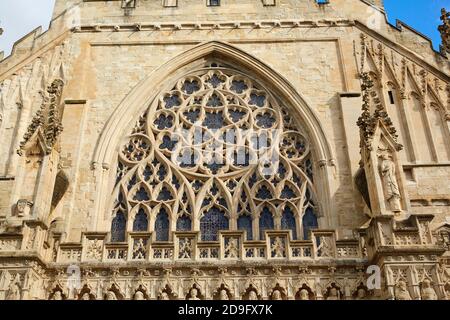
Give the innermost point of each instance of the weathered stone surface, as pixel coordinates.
(105, 190)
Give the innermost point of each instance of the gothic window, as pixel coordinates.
(118, 228)
(309, 222)
(140, 223)
(288, 221)
(265, 222)
(184, 224)
(215, 146)
(162, 225)
(245, 223)
(212, 222)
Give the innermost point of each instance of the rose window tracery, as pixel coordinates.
(216, 148)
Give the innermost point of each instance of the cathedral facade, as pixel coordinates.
(227, 150)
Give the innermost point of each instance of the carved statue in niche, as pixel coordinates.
(164, 296)
(23, 207)
(139, 295)
(193, 294)
(389, 178)
(401, 291)
(110, 295)
(86, 296)
(276, 295)
(252, 295)
(333, 294)
(428, 292)
(223, 295)
(232, 248)
(361, 294)
(278, 247)
(57, 296)
(14, 291)
(304, 294)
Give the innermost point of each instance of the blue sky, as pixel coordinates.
(18, 17)
(422, 15)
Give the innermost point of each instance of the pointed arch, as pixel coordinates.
(139, 98)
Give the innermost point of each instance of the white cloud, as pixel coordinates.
(19, 17)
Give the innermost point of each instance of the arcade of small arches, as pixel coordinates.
(168, 180)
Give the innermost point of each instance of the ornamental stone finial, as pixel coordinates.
(444, 29)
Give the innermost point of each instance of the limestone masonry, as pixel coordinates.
(233, 149)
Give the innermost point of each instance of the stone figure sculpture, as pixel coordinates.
(392, 192)
(401, 291)
(428, 292)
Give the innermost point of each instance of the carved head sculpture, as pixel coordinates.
(139, 295)
(428, 292)
(57, 295)
(193, 295)
(401, 291)
(252, 295)
(333, 294)
(223, 295)
(276, 295)
(86, 296)
(164, 296)
(361, 294)
(110, 295)
(304, 294)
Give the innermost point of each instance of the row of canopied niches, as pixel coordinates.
(210, 3)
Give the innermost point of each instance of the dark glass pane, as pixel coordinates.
(140, 223)
(118, 228)
(184, 224)
(245, 223)
(288, 222)
(309, 222)
(265, 222)
(213, 221)
(162, 226)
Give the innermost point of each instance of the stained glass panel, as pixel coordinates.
(140, 223)
(245, 223)
(309, 223)
(288, 222)
(265, 222)
(162, 226)
(213, 221)
(118, 228)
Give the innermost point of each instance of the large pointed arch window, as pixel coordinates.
(216, 150)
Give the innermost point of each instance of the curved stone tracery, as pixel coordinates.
(215, 152)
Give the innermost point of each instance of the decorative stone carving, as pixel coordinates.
(15, 289)
(23, 208)
(333, 293)
(389, 178)
(47, 121)
(231, 248)
(401, 291)
(110, 295)
(139, 295)
(185, 248)
(278, 247)
(427, 291)
(276, 295)
(193, 294)
(94, 250)
(444, 29)
(252, 295)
